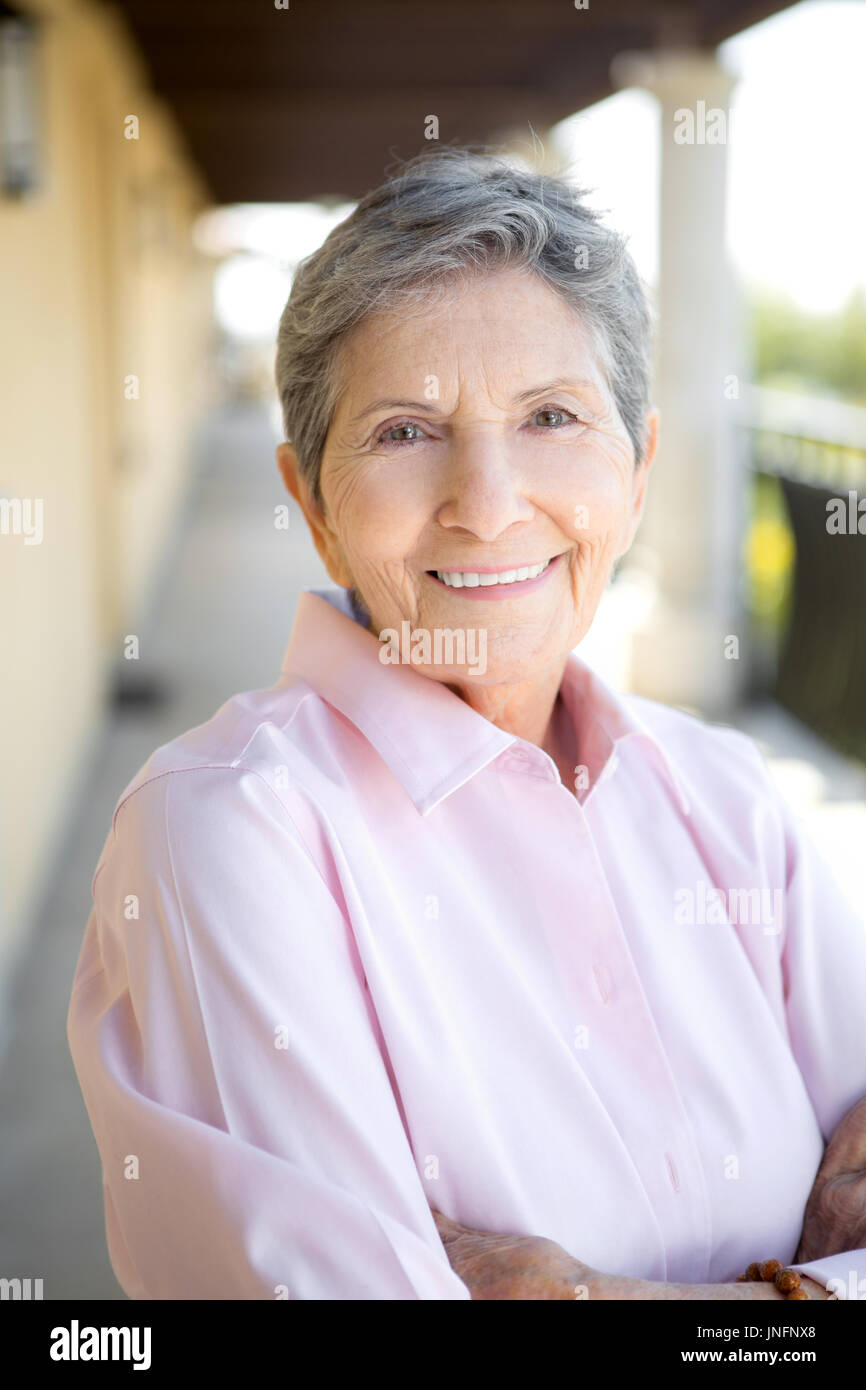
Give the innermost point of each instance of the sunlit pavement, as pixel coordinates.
(219, 624)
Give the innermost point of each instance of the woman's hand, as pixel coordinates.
(532, 1267)
(835, 1216)
(495, 1266)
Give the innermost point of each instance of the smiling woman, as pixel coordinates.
(406, 1006)
(446, 215)
(486, 485)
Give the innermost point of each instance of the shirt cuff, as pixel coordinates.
(843, 1274)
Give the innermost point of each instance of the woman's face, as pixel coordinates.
(477, 439)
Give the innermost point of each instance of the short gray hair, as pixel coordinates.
(445, 212)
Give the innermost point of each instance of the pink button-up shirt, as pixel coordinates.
(356, 952)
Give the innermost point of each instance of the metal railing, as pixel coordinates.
(817, 450)
(809, 438)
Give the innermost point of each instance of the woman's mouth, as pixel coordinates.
(488, 583)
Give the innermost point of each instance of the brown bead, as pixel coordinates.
(753, 1272)
(800, 1292)
(770, 1268)
(786, 1280)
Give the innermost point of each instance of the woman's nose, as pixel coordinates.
(483, 487)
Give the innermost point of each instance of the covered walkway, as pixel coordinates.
(219, 624)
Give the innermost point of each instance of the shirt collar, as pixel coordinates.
(432, 740)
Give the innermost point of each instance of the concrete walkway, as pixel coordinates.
(219, 624)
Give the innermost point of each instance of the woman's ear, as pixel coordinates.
(652, 440)
(297, 485)
(287, 461)
(653, 418)
(639, 482)
(323, 535)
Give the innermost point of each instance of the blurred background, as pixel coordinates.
(163, 168)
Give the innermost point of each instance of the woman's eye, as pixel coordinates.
(405, 433)
(551, 417)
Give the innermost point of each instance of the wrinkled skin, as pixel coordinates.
(506, 1266)
(835, 1216)
(496, 1266)
(519, 457)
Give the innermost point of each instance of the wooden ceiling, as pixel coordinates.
(316, 100)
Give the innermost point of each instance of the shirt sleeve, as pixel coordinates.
(823, 957)
(251, 1139)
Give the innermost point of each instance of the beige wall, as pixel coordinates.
(99, 279)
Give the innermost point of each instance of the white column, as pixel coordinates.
(694, 520)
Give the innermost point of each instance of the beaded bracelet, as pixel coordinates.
(787, 1281)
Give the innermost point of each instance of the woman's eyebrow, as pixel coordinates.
(559, 384)
(428, 408)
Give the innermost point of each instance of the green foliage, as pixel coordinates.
(824, 354)
(768, 556)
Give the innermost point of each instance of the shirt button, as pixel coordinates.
(672, 1173)
(602, 982)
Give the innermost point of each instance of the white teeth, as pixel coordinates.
(469, 579)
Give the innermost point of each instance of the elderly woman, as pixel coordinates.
(425, 973)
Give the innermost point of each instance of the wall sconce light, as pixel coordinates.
(19, 144)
